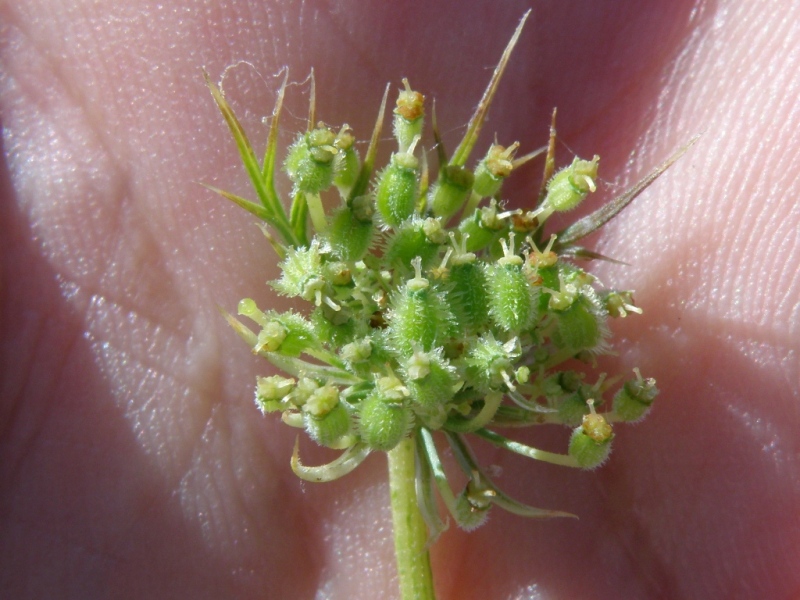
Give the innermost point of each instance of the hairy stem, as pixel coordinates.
(410, 532)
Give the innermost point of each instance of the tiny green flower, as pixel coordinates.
(619, 303)
(511, 295)
(331, 429)
(590, 443)
(493, 170)
(473, 504)
(409, 117)
(271, 391)
(346, 162)
(384, 417)
(633, 400)
(326, 420)
(581, 326)
(398, 188)
(571, 185)
(490, 362)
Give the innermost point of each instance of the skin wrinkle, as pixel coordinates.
(120, 176)
(66, 84)
(121, 302)
(216, 428)
(13, 416)
(25, 443)
(26, 434)
(272, 447)
(761, 173)
(209, 388)
(121, 186)
(57, 541)
(647, 565)
(217, 516)
(239, 507)
(101, 334)
(131, 317)
(31, 321)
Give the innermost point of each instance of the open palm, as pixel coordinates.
(132, 462)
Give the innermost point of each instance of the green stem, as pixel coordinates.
(410, 532)
(317, 212)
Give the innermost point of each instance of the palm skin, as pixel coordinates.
(133, 463)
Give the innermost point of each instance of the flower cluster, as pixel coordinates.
(431, 306)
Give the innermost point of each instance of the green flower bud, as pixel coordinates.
(337, 273)
(270, 391)
(310, 163)
(471, 510)
(301, 272)
(450, 191)
(322, 401)
(634, 399)
(493, 169)
(572, 184)
(357, 351)
(434, 230)
(430, 378)
(580, 327)
(346, 163)
(482, 228)
(408, 242)
(305, 275)
(270, 337)
(326, 420)
(302, 391)
(328, 429)
(573, 408)
(382, 421)
(561, 384)
(619, 303)
(468, 296)
(489, 362)
(419, 315)
(590, 443)
(397, 189)
(286, 333)
(511, 296)
(349, 235)
(409, 117)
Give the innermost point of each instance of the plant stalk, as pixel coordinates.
(410, 532)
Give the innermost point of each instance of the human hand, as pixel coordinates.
(133, 462)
